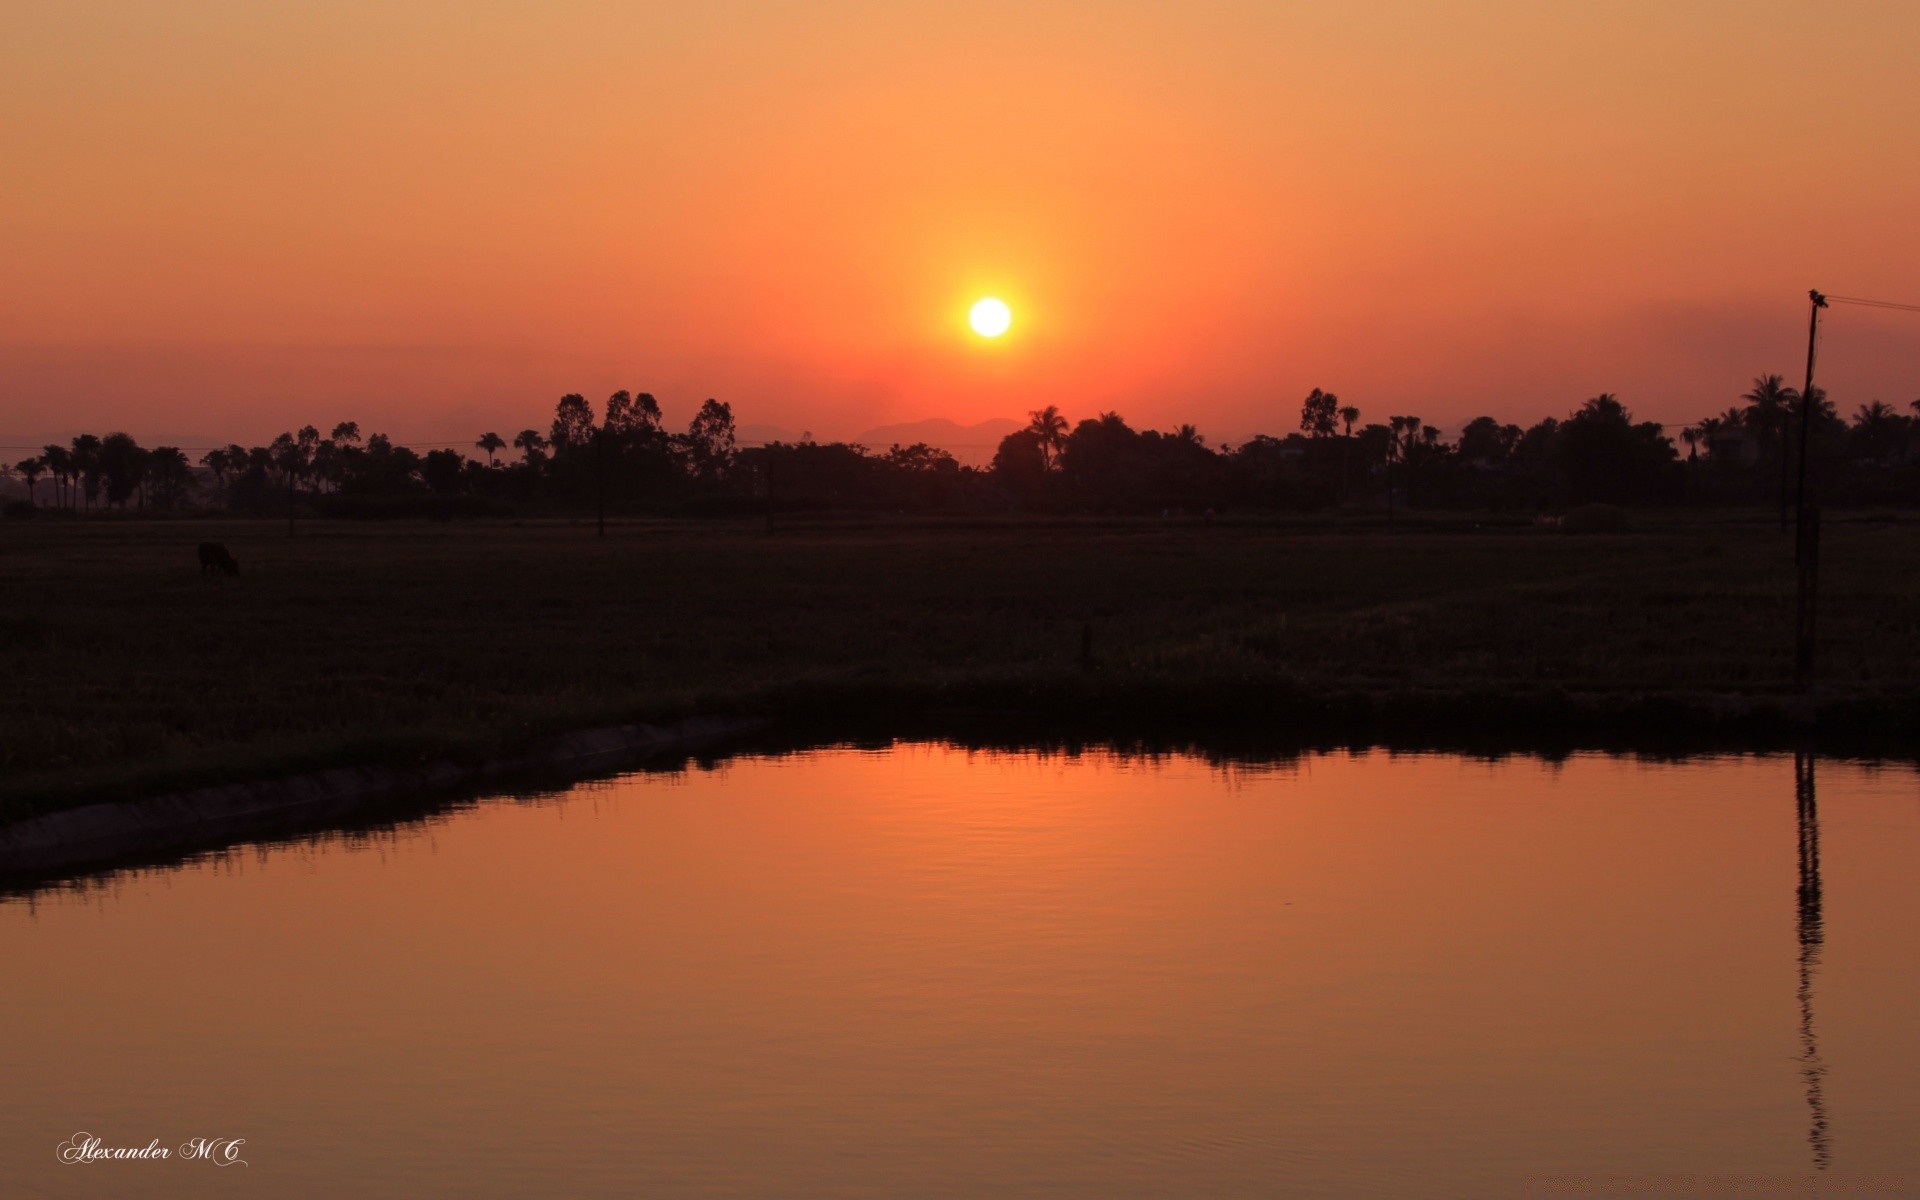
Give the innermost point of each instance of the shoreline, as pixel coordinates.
(1250, 720)
(101, 836)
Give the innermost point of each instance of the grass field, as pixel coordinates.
(127, 671)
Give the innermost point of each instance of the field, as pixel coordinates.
(128, 672)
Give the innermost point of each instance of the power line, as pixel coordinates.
(1875, 303)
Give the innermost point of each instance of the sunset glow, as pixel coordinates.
(437, 221)
(1009, 598)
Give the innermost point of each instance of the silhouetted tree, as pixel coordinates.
(532, 447)
(444, 470)
(1020, 465)
(1879, 432)
(1318, 414)
(491, 443)
(329, 464)
(572, 425)
(1487, 443)
(31, 469)
(1602, 455)
(1769, 416)
(709, 440)
(85, 456)
(289, 457)
(122, 465)
(1102, 463)
(1050, 428)
(632, 418)
(170, 475)
(59, 462)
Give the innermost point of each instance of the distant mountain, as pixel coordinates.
(973, 444)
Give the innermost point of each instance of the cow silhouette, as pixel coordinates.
(215, 557)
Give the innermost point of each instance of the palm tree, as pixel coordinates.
(1767, 402)
(217, 461)
(531, 444)
(1876, 414)
(85, 455)
(59, 464)
(1766, 414)
(29, 469)
(1051, 428)
(1188, 435)
(1405, 429)
(1876, 426)
(490, 442)
(1348, 415)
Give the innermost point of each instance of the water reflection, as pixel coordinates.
(935, 970)
(1813, 1069)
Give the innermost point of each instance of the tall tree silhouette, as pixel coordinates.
(85, 455)
(59, 462)
(631, 417)
(1603, 454)
(1879, 431)
(170, 475)
(710, 440)
(1318, 414)
(1050, 428)
(1770, 406)
(572, 424)
(122, 467)
(532, 447)
(31, 469)
(491, 443)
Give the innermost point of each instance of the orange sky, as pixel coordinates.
(226, 219)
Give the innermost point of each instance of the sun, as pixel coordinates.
(990, 317)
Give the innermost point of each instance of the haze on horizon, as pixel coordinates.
(235, 218)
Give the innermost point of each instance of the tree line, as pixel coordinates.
(624, 459)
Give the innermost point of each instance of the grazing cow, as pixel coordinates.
(214, 557)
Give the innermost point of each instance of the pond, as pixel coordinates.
(925, 970)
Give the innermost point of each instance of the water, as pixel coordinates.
(929, 972)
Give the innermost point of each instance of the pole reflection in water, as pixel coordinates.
(948, 972)
(1813, 1069)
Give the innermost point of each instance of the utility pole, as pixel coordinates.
(768, 460)
(1786, 480)
(1806, 539)
(600, 479)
